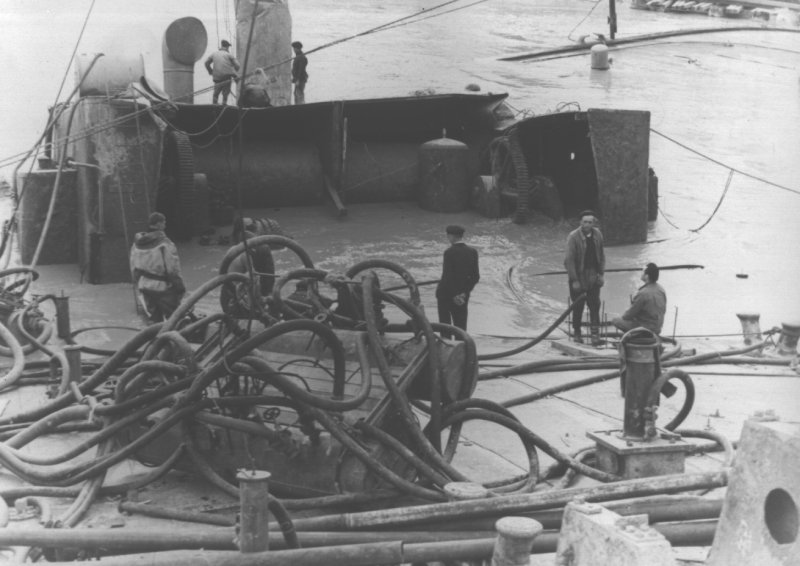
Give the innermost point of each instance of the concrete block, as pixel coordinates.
(759, 520)
(593, 535)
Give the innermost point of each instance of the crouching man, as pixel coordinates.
(156, 270)
(647, 306)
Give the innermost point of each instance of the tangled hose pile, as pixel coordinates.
(175, 379)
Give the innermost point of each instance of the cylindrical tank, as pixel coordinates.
(61, 245)
(184, 43)
(599, 57)
(110, 75)
(641, 355)
(444, 176)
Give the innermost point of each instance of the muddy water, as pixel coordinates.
(732, 96)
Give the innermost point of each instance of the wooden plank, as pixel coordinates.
(583, 350)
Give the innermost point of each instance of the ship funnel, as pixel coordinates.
(184, 43)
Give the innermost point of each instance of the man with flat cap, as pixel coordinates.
(222, 66)
(156, 270)
(648, 305)
(299, 73)
(585, 263)
(460, 274)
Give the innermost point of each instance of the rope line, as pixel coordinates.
(716, 208)
(725, 165)
(589, 13)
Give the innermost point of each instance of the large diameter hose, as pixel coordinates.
(15, 372)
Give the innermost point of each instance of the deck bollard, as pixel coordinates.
(254, 515)
(73, 354)
(787, 344)
(62, 317)
(515, 536)
(465, 490)
(750, 327)
(599, 57)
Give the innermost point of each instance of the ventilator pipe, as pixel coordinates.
(411, 284)
(532, 343)
(511, 504)
(15, 372)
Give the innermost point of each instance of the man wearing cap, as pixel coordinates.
(585, 263)
(222, 67)
(299, 74)
(460, 274)
(156, 270)
(647, 306)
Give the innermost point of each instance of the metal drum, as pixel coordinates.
(444, 176)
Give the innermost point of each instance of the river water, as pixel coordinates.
(733, 97)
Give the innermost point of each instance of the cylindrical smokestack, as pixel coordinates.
(184, 43)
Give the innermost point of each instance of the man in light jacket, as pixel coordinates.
(156, 270)
(222, 66)
(585, 263)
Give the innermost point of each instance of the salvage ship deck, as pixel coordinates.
(310, 468)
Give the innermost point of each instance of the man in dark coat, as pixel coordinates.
(299, 74)
(460, 274)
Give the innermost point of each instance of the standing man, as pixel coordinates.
(585, 263)
(299, 74)
(647, 306)
(156, 270)
(222, 67)
(460, 274)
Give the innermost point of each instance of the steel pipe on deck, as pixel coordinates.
(513, 504)
(696, 533)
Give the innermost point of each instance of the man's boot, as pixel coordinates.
(576, 335)
(596, 341)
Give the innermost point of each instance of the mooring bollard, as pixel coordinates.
(73, 354)
(787, 344)
(465, 490)
(62, 317)
(254, 515)
(750, 327)
(515, 537)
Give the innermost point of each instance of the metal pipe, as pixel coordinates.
(254, 513)
(174, 514)
(695, 533)
(62, 317)
(73, 354)
(513, 504)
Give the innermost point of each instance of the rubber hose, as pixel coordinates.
(188, 303)
(717, 437)
(653, 396)
(398, 397)
(540, 443)
(533, 342)
(411, 283)
(15, 372)
(121, 389)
